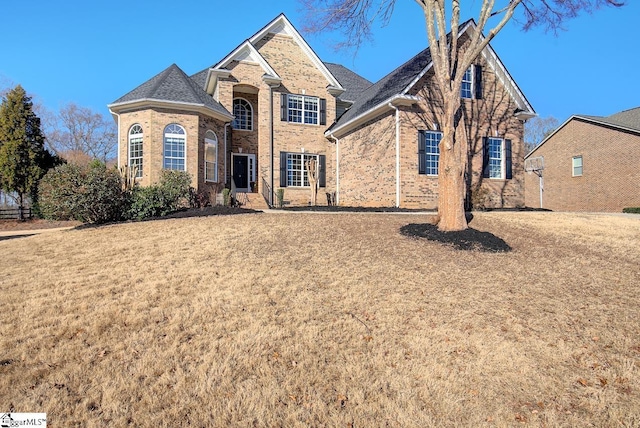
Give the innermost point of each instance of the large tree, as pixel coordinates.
(356, 18)
(80, 133)
(23, 158)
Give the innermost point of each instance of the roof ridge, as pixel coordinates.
(163, 76)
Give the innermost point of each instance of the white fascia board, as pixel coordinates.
(396, 100)
(149, 102)
(212, 79)
(287, 28)
(253, 55)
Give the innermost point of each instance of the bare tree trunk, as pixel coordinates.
(451, 169)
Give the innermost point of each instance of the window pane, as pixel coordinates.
(467, 84)
(432, 152)
(495, 158)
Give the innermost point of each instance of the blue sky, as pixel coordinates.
(91, 53)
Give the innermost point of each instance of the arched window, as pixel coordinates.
(174, 147)
(210, 156)
(135, 149)
(243, 115)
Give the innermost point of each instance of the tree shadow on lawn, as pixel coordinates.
(217, 210)
(468, 240)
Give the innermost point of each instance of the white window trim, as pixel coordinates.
(473, 83)
(303, 110)
(503, 167)
(130, 159)
(573, 166)
(211, 142)
(304, 170)
(250, 129)
(166, 135)
(425, 153)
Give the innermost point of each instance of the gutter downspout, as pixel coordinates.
(226, 154)
(397, 154)
(271, 146)
(337, 201)
(118, 115)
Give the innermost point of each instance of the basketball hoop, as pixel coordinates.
(534, 165)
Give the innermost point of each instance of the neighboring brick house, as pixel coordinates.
(255, 117)
(590, 164)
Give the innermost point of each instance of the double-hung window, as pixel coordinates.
(429, 152)
(576, 164)
(303, 109)
(472, 83)
(174, 147)
(293, 169)
(497, 162)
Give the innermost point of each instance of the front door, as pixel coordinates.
(243, 171)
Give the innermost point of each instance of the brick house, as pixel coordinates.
(271, 105)
(590, 164)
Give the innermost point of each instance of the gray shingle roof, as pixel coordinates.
(200, 77)
(629, 119)
(353, 83)
(173, 85)
(392, 84)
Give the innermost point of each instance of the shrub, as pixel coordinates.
(226, 197)
(87, 193)
(199, 199)
(631, 210)
(169, 195)
(280, 197)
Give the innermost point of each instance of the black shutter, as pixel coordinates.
(323, 111)
(422, 164)
(284, 108)
(322, 173)
(485, 157)
(508, 164)
(478, 81)
(283, 169)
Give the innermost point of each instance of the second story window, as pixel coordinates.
(472, 83)
(303, 109)
(243, 115)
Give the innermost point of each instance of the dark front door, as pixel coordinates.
(240, 171)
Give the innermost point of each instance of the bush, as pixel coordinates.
(169, 195)
(631, 210)
(87, 193)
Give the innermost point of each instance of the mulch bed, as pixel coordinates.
(333, 208)
(469, 239)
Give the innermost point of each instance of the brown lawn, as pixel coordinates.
(323, 320)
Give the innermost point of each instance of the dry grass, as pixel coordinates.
(323, 320)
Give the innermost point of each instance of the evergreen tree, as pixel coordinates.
(23, 157)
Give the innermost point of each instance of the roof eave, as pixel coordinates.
(124, 107)
(395, 101)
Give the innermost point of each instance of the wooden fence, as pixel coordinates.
(14, 213)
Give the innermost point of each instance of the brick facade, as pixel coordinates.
(372, 182)
(368, 166)
(610, 179)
